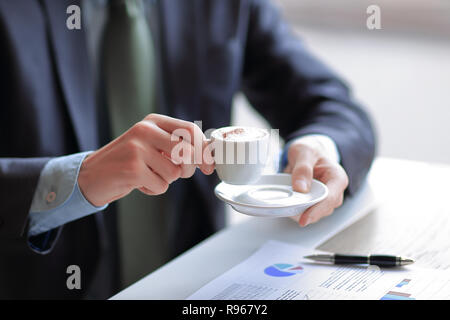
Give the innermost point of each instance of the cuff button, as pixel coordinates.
(51, 196)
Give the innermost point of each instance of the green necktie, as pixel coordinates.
(129, 78)
(128, 65)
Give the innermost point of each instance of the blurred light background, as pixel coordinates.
(400, 73)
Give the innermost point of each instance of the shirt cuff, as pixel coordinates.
(321, 141)
(58, 198)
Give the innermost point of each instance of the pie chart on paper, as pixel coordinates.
(283, 270)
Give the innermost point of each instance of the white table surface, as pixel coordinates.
(196, 267)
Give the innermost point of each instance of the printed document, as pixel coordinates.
(278, 272)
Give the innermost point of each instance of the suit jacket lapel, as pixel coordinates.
(72, 67)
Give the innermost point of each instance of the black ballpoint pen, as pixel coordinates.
(378, 260)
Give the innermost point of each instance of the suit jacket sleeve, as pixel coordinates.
(18, 180)
(300, 95)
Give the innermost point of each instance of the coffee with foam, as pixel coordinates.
(241, 133)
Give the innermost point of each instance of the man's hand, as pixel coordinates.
(307, 159)
(141, 159)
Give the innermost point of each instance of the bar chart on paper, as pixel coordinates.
(393, 295)
(422, 285)
(396, 295)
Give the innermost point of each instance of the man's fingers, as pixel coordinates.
(171, 125)
(151, 183)
(302, 175)
(336, 180)
(153, 136)
(181, 159)
(316, 212)
(177, 137)
(207, 166)
(178, 150)
(188, 170)
(304, 160)
(162, 165)
(146, 191)
(190, 133)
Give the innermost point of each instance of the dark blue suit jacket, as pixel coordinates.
(210, 50)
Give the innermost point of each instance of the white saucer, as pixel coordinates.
(270, 196)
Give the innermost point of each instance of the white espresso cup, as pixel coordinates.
(240, 153)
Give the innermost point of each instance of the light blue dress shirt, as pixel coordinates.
(58, 199)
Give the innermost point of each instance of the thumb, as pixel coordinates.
(303, 163)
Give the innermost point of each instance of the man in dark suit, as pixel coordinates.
(61, 95)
